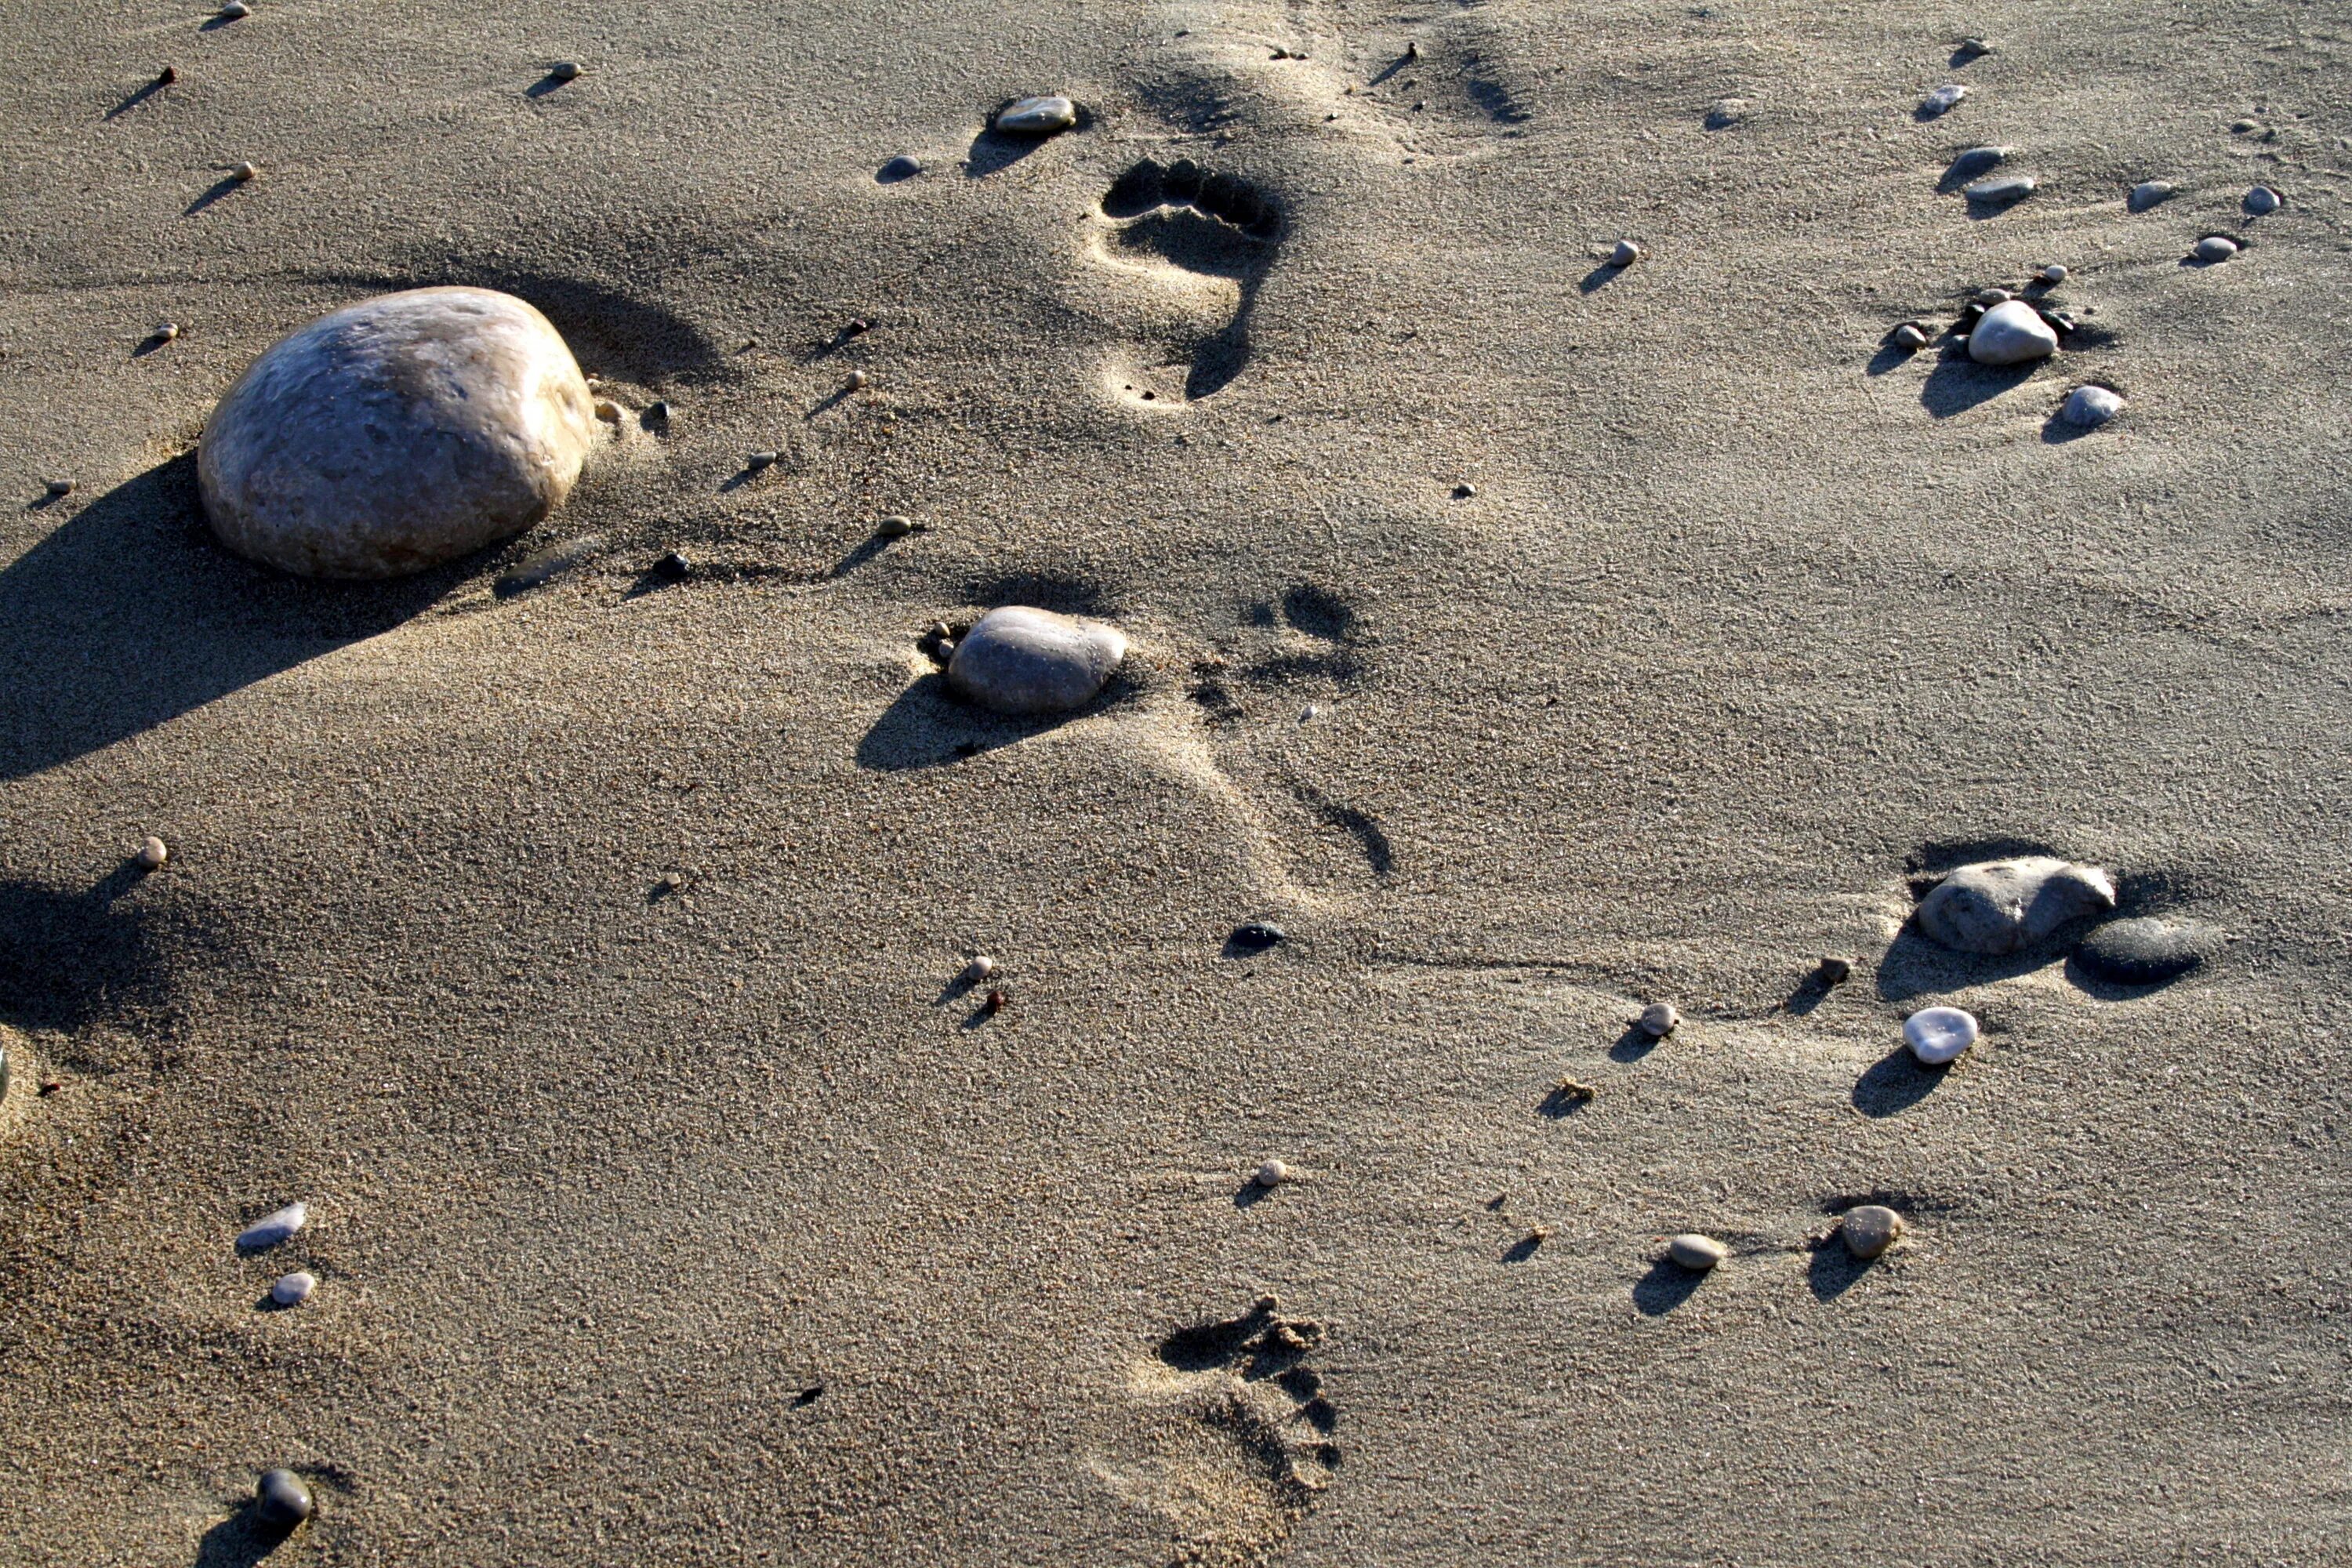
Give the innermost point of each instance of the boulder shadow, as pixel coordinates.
(2057, 430)
(1914, 966)
(993, 151)
(1600, 277)
(212, 193)
(128, 614)
(1666, 1286)
(68, 960)
(1894, 1083)
(1958, 384)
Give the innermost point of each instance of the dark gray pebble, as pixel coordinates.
(1258, 934)
(672, 566)
(901, 167)
(280, 1499)
(2142, 951)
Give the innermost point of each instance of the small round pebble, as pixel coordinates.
(1698, 1252)
(1308, 712)
(564, 70)
(672, 565)
(168, 331)
(1870, 1229)
(2147, 193)
(281, 1500)
(62, 487)
(2090, 406)
(901, 167)
(1658, 1020)
(2215, 248)
(857, 380)
(152, 854)
(2054, 273)
(1273, 1174)
(1911, 335)
(1625, 255)
(1039, 116)
(235, 10)
(1937, 1036)
(2142, 951)
(245, 171)
(2012, 333)
(2263, 199)
(294, 1288)
(895, 527)
(1943, 100)
(978, 969)
(272, 1228)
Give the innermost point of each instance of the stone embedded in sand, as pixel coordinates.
(1693, 1250)
(1943, 100)
(2145, 950)
(902, 167)
(282, 1500)
(1996, 906)
(294, 1288)
(564, 70)
(1939, 1035)
(1258, 934)
(1021, 660)
(1870, 1229)
(1658, 1020)
(1273, 1174)
(272, 1228)
(235, 11)
(2054, 273)
(396, 433)
(2002, 189)
(1039, 116)
(152, 854)
(2262, 199)
(1725, 112)
(2013, 332)
(2149, 194)
(2090, 406)
(1991, 296)
(2215, 248)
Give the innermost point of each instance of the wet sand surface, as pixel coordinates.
(584, 953)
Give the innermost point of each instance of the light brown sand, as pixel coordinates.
(604, 1183)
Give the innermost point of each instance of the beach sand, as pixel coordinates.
(585, 956)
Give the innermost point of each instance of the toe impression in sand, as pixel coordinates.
(1019, 660)
(396, 433)
(1997, 907)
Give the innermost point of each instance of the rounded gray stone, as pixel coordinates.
(1658, 1020)
(2090, 406)
(396, 433)
(2144, 951)
(1694, 1251)
(1039, 116)
(2215, 248)
(1943, 100)
(2002, 189)
(2262, 199)
(1021, 660)
(272, 1228)
(1997, 907)
(2147, 193)
(281, 1500)
(2013, 332)
(1870, 1229)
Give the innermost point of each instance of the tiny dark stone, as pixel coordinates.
(1256, 935)
(1182, 181)
(659, 412)
(672, 566)
(857, 327)
(1835, 971)
(901, 167)
(169, 75)
(2142, 951)
(281, 1501)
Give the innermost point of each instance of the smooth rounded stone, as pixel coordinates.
(2262, 199)
(1273, 1174)
(564, 70)
(755, 461)
(246, 173)
(152, 853)
(235, 11)
(1937, 1036)
(1911, 335)
(59, 488)
(1019, 660)
(2143, 950)
(978, 969)
(895, 527)
(396, 433)
(1870, 1229)
(902, 167)
(1725, 112)
(2012, 333)
(2215, 248)
(294, 1288)
(1996, 906)
(2002, 189)
(1698, 1252)
(2149, 194)
(2054, 273)
(2090, 406)
(1976, 163)
(167, 331)
(1625, 255)
(1993, 296)
(1943, 100)
(1256, 934)
(1039, 116)
(1658, 1020)
(281, 1500)
(272, 1228)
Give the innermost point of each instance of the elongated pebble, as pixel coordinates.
(59, 488)
(2147, 193)
(1694, 1251)
(2054, 273)
(1976, 163)
(272, 1228)
(235, 10)
(293, 1289)
(1039, 116)
(2090, 406)
(564, 70)
(1870, 1229)
(1993, 296)
(1943, 100)
(895, 527)
(1911, 335)
(2263, 199)
(1939, 1035)
(902, 167)
(1016, 659)
(2215, 248)
(2144, 950)
(2002, 189)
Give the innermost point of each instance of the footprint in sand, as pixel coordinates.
(1191, 244)
(1235, 1444)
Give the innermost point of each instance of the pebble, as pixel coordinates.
(857, 381)
(1976, 163)
(2142, 951)
(895, 527)
(1996, 906)
(1273, 1174)
(1625, 255)
(1726, 112)
(1943, 100)
(1698, 1252)
(757, 460)
(245, 171)
(2263, 199)
(152, 854)
(1911, 335)
(1939, 1035)
(1464, 491)
(1658, 1020)
(1039, 116)
(1259, 934)
(60, 487)
(672, 565)
(294, 1288)
(1022, 660)
(2002, 188)
(2215, 248)
(235, 11)
(272, 1228)
(168, 332)
(2054, 273)
(2012, 333)
(564, 70)
(1308, 712)
(2147, 193)
(1993, 296)
(1835, 971)
(659, 411)
(1870, 1229)
(608, 411)
(2090, 406)
(901, 167)
(1973, 47)
(281, 1498)
(978, 969)
(395, 434)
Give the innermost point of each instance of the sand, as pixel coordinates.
(585, 956)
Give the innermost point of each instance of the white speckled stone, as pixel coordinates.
(1019, 660)
(1658, 1020)
(396, 433)
(1997, 907)
(1039, 116)
(1939, 1035)
(2011, 333)
(2090, 406)
(1870, 1229)
(272, 1228)
(1693, 1250)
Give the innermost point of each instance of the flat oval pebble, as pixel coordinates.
(2215, 248)
(1019, 660)
(2142, 951)
(1039, 116)
(1911, 335)
(1975, 163)
(2013, 332)
(2263, 199)
(1870, 1229)
(1625, 255)
(1942, 99)
(2147, 193)
(1996, 906)
(294, 1288)
(1939, 1035)
(1658, 1020)
(281, 1498)
(901, 167)
(2090, 406)
(2003, 188)
(1693, 1250)
(272, 1228)
(1258, 933)
(395, 434)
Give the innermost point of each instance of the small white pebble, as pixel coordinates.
(1939, 1035)
(1273, 1174)
(1693, 1250)
(152, 854)
(294, 1288)
(1625, 255)
(2263, 199)
(272, 1228)
(980, 969)
(2054, 273)
(2215, 248)
(1658, 1020)
(2147, 193)
(245, 171)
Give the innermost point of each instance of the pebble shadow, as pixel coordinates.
(927, 726)
(138, 97)
(2057, 430)
(1600, 277)
(1891, 355)
(1833, 1270)
(545, 85)
(1958, 384)
(1635, 1044)
(1895, 1082)
(1666, 1286)
(240, 1541)
(993, 151)
(1914, 966)
(212, 193)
